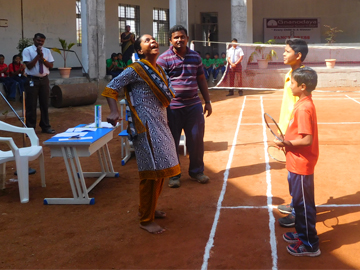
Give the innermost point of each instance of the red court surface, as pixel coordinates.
(230, 223)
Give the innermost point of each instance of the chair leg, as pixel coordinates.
(184, 145)
(127, 152)
(22, 167)
(3, 174)
(42, 170)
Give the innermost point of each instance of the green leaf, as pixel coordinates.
(56, 50)
(70, 45)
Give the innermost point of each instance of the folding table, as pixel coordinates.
(71, 150)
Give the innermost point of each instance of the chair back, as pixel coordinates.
(30, 132)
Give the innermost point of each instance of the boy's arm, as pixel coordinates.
(306, 140)
(240, 59)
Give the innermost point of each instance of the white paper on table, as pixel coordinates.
(80, 129)
(104, 125)
(71, 134)
(74, 139)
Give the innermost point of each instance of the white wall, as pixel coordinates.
(341, 14)
(56, 18)
(52, 18)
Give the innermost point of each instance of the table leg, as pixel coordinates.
(74, 170)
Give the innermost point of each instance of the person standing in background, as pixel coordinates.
(234, 57)
(38, 61)
(186, 73)
(127, 44)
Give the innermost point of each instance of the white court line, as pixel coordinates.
(320, 123)
(338, 205)
(210, 242)
(314, 98)
(275, 206)
(249, 207)
(268, 194)
(352, 99)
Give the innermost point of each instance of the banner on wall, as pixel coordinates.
(281, 29)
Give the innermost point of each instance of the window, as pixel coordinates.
(129, 15)
(161, 26)
(78, 22)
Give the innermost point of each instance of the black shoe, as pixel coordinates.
(48, 131)
(285, 209)
(231, 93)
(288, 221)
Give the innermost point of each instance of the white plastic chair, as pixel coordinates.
(22, 156)
(126, 145)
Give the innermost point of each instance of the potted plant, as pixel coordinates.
(264, 57)
(23, 43)
(330, 35)
(65, 71)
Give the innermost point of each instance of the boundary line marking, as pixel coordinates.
(269, 194)
(210, 242)
(320, 123)
(352, 99)
(275, 206)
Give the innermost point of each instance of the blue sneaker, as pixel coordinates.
(290, 237)
(299, 249)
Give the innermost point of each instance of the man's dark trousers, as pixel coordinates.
(191, 119)
(40, 89)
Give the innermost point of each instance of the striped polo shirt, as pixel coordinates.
(183, 73)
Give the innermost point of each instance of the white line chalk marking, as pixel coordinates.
(269, 195)
(352, 99)
(210, 242)
(275, 206)
(320, 123)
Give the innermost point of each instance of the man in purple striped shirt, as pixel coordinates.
(184, 67)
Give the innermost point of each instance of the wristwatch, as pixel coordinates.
(208, 102)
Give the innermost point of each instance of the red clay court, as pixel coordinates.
(230, 223)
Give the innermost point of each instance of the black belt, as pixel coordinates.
(37, 78)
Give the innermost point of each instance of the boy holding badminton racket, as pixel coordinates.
(296, 50)
(302, 151)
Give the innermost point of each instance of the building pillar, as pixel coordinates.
(241, 20)
(93, 38)
(179, 13)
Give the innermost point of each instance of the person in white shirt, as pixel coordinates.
(234, 57)
(38, 61)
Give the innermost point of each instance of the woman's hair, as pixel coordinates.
(14, 57)
(113, 55)
(137, 47)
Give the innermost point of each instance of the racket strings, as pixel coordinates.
(277, 154)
